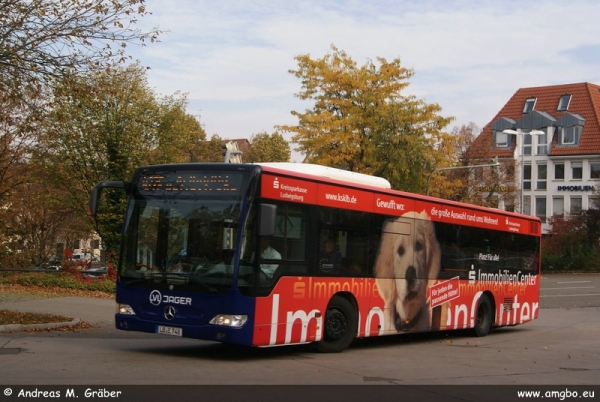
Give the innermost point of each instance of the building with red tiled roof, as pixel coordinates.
(553, 134)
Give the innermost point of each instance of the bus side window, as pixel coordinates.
(290, 232)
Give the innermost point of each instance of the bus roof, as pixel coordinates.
(457, 210)
(330, 173)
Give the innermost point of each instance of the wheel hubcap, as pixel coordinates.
(336, 325)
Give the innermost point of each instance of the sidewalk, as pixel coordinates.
(94, 311)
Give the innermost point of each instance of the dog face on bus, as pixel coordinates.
(407, 262)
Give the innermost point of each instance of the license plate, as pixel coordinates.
(169, 331)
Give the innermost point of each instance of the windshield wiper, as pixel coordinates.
(204, 285)
(169, 277)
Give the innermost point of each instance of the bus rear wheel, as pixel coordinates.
(484, 318)
(340, 326)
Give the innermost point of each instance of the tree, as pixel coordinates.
(485, 186)
(19, 124)
(573, 242)
(207, 151)
(266, 147)
(178, 133)
(34, 223)
(439, 184)
(47, 39)
(361, 122)
(102, 127)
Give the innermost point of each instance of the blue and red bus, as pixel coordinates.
(279, 254)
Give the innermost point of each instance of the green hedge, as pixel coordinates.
(581, 258)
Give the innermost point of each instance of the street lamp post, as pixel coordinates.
(521, 133)
(495, 164)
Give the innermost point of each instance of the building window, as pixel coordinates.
(570, 135)
(576, 205)
(577, 170)
(526, 144)
(501, 139)
(529, 105)
(527, 177)
(559, 171)
(96, 244)
(558, 206)
(594, 170)
(563, 102)
(527, 205)
(542, 175)
(594, 203)
(542, 144)
(540, 208)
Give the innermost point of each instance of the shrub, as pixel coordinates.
(66, 279)
(572, 244)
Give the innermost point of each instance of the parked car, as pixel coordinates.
(94, 272)
(53, 264)
(81, 257)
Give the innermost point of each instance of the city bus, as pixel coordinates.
(274, 254)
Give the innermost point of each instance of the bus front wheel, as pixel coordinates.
(340, 326)
(484, 318)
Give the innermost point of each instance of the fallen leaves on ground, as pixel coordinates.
(70, 328)
(37, 292)
(16, 317)
(43, 292)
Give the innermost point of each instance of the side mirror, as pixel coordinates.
(268, 214)
(97, 192)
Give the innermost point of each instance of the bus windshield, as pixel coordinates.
(183, 238)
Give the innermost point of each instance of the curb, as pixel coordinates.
(50, 325)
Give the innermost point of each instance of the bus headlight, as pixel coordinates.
(229, 320)
(125, 309)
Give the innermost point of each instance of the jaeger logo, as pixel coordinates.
(156, 298)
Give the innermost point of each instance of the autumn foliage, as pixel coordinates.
(362, 121)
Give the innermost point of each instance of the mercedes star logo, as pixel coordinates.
(170, 312)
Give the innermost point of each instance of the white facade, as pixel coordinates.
(554, 184)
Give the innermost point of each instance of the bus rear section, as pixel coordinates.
(407, 263)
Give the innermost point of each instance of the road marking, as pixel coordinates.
(591, 294)
(570, 287)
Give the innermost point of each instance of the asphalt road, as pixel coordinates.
(560, 349)
(570, 290)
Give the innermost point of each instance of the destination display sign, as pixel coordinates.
(209, 183)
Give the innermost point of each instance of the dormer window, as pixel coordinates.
(570, 135)
(502, 140)
(563, 102)
(529, 105)
(570, 129)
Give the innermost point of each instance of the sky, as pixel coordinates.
(232, 58)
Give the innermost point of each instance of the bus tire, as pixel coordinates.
(340, 326)
(484, 317)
